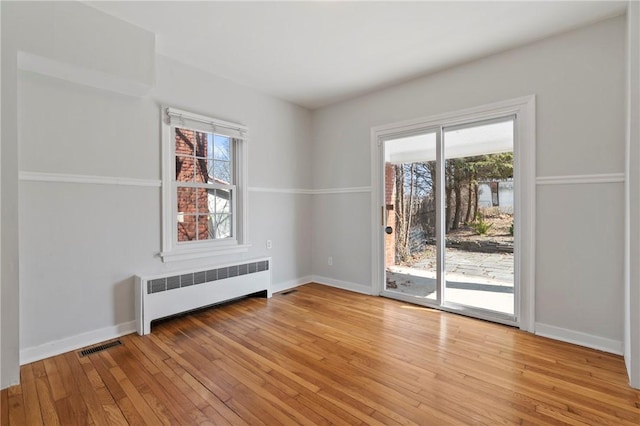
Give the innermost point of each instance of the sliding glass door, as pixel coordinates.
(479, 216)
(411, 216)
(449, 217)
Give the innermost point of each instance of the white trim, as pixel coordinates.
(377, 208)
(87, 179)
(280, 190)
(351, 190)
(525, 157)
(180, 118)
(241, 215)
(82, 76)
(497, 317)
(526, 224)
(479, 113)
(72, 343)
(581, 179)
(344, 285)
(579, 338)
(441, 215)
(202, 252)
(157, 183)
(287, 285)
(632, 246)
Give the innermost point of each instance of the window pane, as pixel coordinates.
(186, 200)
(410, 212)
(479, 267)
(220, 225)
(201, 145)
(185, 141)
(219, 171)
(221, 148)
(222, 171)
(201, 170)
(210, 172)
(186, 227)
(203, 200)
(184, 169)
(219, 201)
(192, 151)
(223, 201)
(203, 227)
(212, 226)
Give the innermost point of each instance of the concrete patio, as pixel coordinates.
(482, 280)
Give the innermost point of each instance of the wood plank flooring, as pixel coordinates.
(321, 356)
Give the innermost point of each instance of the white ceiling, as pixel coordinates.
(320, 52)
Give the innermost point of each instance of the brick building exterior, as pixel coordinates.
(191, 166)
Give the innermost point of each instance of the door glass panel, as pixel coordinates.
(479, 216)
(410, 216)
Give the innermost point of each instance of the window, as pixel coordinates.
(204, 186)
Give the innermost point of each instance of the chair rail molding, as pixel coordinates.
(581, 179)
(87, 179)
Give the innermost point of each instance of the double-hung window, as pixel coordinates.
(204, 186)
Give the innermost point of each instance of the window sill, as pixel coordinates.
(202, 252)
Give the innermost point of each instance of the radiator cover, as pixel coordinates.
(160, 296)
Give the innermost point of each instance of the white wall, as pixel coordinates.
(632, 197)
(81, 243)
(77, 35)
(342, 231)
(10, 373)
(578, 80)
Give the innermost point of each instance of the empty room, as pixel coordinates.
(320, 212)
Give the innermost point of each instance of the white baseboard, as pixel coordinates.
(344, 285)
(579, 338)
(46, 350)
(287, 285)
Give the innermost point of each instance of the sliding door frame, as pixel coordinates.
(525, 193)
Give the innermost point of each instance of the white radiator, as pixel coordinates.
(160, 296)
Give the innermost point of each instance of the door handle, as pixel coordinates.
(388, 230)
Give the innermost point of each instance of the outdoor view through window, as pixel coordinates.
(477, 213)
(204, 185)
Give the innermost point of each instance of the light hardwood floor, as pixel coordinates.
(325, 356)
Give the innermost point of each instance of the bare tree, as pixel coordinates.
(400, 211)
(415, 187)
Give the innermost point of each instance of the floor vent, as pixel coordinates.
(284, 293)
(100, 348)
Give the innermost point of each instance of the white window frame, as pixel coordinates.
(173, 250)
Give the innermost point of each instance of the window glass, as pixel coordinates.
(205, 185)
